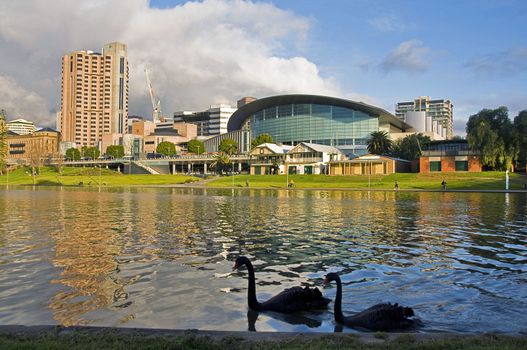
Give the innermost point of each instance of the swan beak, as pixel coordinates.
(326, 281)
(235, 267)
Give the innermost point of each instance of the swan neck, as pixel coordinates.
(251, 295)
(339, 317)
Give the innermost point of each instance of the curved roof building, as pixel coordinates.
(291, 119)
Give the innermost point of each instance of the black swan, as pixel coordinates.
(290, 300)
(380, 317)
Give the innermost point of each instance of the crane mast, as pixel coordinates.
(156, 104)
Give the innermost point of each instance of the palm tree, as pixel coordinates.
(379, 142)
(221, 162)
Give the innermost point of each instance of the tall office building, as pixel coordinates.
(440, 111)
(94, 94)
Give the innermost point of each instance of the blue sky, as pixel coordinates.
(472, 52)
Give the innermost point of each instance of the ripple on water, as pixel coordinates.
(162, 257)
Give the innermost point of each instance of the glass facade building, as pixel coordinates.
(291, 119)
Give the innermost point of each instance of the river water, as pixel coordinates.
(162, 257)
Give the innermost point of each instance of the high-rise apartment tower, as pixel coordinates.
(94, 94)
(441, 111)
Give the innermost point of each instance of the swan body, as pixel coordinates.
(290, 300)
(380, 317)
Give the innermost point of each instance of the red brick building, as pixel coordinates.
(449, 156)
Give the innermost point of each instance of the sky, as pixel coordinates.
(202, 53)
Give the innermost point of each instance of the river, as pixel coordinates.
(163, 257)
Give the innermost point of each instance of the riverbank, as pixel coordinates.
(460, 181)
(89, 177)
(58, 337)
(485, 181)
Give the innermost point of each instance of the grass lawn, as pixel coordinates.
(490, 180)
(93, 176)
(109, 340)
(89, 177)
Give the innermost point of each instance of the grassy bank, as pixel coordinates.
(89, 177)
(415, 181)
(109, 340)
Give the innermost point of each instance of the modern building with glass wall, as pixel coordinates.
(291, 119)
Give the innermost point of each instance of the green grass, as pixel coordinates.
(110, 340)
(89, 177)
(455, 181)
(413, 181)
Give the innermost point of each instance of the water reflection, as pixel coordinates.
(162, 257)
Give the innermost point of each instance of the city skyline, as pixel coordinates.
(203, 53)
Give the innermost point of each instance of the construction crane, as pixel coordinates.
(156, 104)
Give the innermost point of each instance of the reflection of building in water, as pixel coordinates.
(85, 250)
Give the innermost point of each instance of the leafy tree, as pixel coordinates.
(167, 148)
(196, 146)
(520, 130)
(490, 133)
(228, 146)
(115, 151)
(410, 146)
(260, 139)
(73, 154)
(221, 163)
(379, 143)
(90, 152)
(3, 141)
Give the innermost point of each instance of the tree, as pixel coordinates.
(379, 143)
(196, 146)
(228, 146)
(90, 152)
(167, 148)
(520, 130)
(3, 142)
(490, 133)
(73, 154)
(221, 162)
(115, 151)
(410, 146)
(260, 139)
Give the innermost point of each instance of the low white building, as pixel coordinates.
(21, 126)
(304, 158)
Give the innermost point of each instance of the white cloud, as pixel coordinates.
(410, 56)
(506, 63)
(197, 54)
(21, 103)
(387, 23)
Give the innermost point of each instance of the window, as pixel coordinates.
(461, 165)
(121, 65)
(435, 166)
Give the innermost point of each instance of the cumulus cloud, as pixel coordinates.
(508, 62)
(197, 54)
(410, 56)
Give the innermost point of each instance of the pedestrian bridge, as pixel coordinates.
(197, 164)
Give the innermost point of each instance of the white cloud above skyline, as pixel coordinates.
(197, 54)
(410, 56)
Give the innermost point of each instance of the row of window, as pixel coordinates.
(461, 165)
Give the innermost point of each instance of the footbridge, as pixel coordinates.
(187, 164)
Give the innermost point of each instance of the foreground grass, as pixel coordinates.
(109, 340)
(455, 181)
(89, 177)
